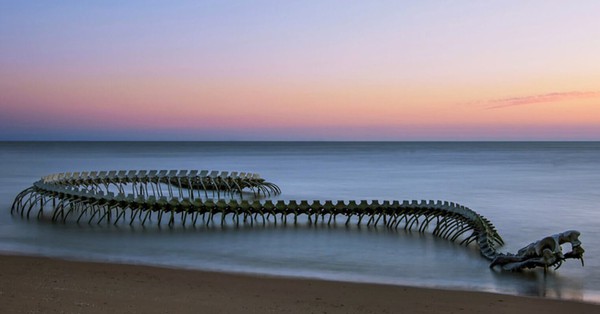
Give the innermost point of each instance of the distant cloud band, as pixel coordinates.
(536, 99)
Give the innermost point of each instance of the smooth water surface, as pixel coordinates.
(528, 190)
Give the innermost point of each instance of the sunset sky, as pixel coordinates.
(299, 70)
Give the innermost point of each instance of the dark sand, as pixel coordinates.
(44, 285)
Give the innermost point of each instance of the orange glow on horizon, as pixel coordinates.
(385, 71)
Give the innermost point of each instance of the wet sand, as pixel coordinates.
(45, 285)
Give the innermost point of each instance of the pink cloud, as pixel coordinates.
(536, 99)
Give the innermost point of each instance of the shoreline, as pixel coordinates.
(51, 285)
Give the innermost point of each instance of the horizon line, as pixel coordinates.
(302, 141)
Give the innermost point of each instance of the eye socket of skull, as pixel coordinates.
(547, 243)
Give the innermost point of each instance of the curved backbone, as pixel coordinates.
(185, 196)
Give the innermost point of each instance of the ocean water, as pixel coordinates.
(527, 189)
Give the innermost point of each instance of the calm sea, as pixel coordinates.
(528, 190)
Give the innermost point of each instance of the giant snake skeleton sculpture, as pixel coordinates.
(184, 196)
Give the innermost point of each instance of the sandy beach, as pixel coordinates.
(45, 285)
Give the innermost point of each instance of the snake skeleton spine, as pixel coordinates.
(142, 196)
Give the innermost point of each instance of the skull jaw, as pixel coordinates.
(544, 253)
